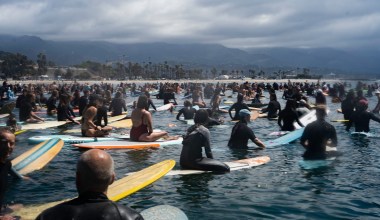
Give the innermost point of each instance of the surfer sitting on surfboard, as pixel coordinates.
(95, 172)
(7, 143)
(317, 135)
(187, 111)
(273, 106)
(288, 116)
(241, 133)
(89, 129)
(238, 106)
(142, 125)
(26, 110)
(196, 138)
(361, 117)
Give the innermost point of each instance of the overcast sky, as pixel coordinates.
(233, 23)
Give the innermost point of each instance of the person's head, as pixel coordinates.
(142, 102)
(201, 116)
(362, 105)
(93, 100)
(273, 97)
(240, 97)
(245, 115)
(187, 103)
(95, 171)
(117, 95)
(7, 143)
(290, 104)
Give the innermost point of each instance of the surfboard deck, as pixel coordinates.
(340, 120)
(163, 212)
(317, 164)
(164, 107)
(108, 145)
(75, 139)
(118, 190)
(126, 123)
(4, 115)
(37, 157)
(234, 165)
(43, 125)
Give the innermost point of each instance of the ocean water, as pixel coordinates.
(345, 189)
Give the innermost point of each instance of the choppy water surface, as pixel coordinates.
(347, 189)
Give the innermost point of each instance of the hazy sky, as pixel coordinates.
(233, 23)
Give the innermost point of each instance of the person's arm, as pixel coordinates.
(105, 116)
(230, 109)
(297, 119)
(179, 114)
(33, 115)
(374, 117)
(304, 139)
(149, 122)
(124, 106)
(349, 123)
(259, 143)
(206, 134)
(153, 106)
(333, 138)
(279, 120)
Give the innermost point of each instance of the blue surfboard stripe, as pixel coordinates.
(43, 149)
(292, 136)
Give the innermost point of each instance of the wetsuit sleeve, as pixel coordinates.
(124, 106)
(304, 137)
(206, 134)
(333, 137)
(251, 135)
(349, 123)
(71, 112)
(153, 106)
(374, 117)
(179, 114)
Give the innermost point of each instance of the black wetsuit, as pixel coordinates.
(64, 113)
(237, 106)
(191, 154)
(25, 111)
(347, 108)
(101, 114)
(150, 103)
(288, 116)
(169, 96)
(273, 107)
(83, 101)
(20, 99)
(240, 135)
(4, 170)
(317, 134)
(51, 104)
(361, 120)
(117, 105)
(188, 113)
(91, 206)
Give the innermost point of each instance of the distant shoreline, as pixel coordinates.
(91, 82)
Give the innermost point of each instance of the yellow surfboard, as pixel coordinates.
(20, 132)
(127, 123)
(117, 191)
(37, 157)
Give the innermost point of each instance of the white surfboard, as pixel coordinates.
(42, 125)
(164, 107)
(234, 165)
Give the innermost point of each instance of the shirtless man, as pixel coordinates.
(89, 128)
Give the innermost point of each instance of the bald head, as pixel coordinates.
(95, 171)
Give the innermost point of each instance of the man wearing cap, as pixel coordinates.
(317, 135)
(241, 132)
(377, 108)
(361, 117)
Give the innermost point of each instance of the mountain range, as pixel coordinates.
(353, 61)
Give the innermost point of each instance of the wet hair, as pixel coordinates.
(117, 95)
(201, 116)
(187, 103)
(142, 102)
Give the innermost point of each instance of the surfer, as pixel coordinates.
(348, 105)
(142, 125)
(95, 172)
(187, 111)
(197, 137)
(83, 101)
(317, 135)
(238, 106)
(198, 98)
(361, 117)
(89, 128)
(117, 105)
(7, 144)
(64, 112)
(26, 110)
(51, 107)
(241, 133)
(273, 106)
(288, 116)
(376, 110)
(150, 102)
